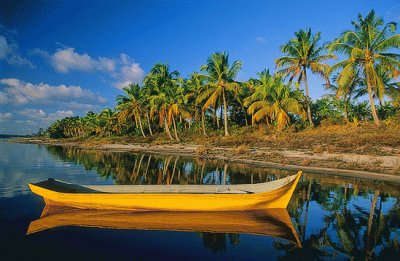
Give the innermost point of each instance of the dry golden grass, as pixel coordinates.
(202, 150)
(318, 149)
(241, 149)
(351, 138)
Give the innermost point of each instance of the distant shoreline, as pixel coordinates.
(322, 163)
(5, 136)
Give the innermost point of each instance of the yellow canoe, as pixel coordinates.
(269, 222)
(273, 194)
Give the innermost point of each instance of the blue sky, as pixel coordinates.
(64, 58)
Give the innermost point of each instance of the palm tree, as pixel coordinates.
(238, 103)
(367, 47)
(130, 105)
(302, 53)
(145, 94)
(361, 111)
(391, 87)
(274, 101)
(105, 121)
(262, 91)
(90, 123)
(176, 103)
(167, 96)
(347, 92)
(220, 80)
(195, 86)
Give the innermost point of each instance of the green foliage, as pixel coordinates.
(387, 110)
(360, 111)
(368, 55)
(211, 101)
(302, 53)
(327, 108)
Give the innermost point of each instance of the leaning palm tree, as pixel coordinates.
(221, 79)
(130, 105)
(303, 53)
(368, 47)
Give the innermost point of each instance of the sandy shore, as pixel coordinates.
(372, 167)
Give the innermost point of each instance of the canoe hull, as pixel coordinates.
(278, 198)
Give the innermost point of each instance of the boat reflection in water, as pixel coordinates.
(270, 222)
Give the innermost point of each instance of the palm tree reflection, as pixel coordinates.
(335, 217)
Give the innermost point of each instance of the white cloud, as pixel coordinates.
(122, 70)
(260, 39)
(64, 114)
(6, 116)
(130, 72)
(3, 98)
(31, 123)
(52, 117)
(41, 53)
(17, 92)
(81, 106)
(33, 113)
(9, 53)
(67, 59)
(42, 116)
(105, 64)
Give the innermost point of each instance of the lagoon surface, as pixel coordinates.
(332, 217)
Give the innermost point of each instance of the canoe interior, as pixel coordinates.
(64, 187)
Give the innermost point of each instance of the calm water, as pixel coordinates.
(333, 217)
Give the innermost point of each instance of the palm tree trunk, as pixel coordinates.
(176, 134)
(173, 171)
(306, 214)
(166, 165)
(216, 121)
(225, 172)
(307, 99)
(225, 114)
(220, 115)
(203, 124)
(140, 164)
(134, 169)
(138, 169)
(346, 114)
(369, 244)
(141, 127)
(148, 123)
(202, 172)
(147, 167)
(167, 129)
(371, 102)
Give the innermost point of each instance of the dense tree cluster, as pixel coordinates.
(212, 99)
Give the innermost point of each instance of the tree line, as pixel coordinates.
(365, 64)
